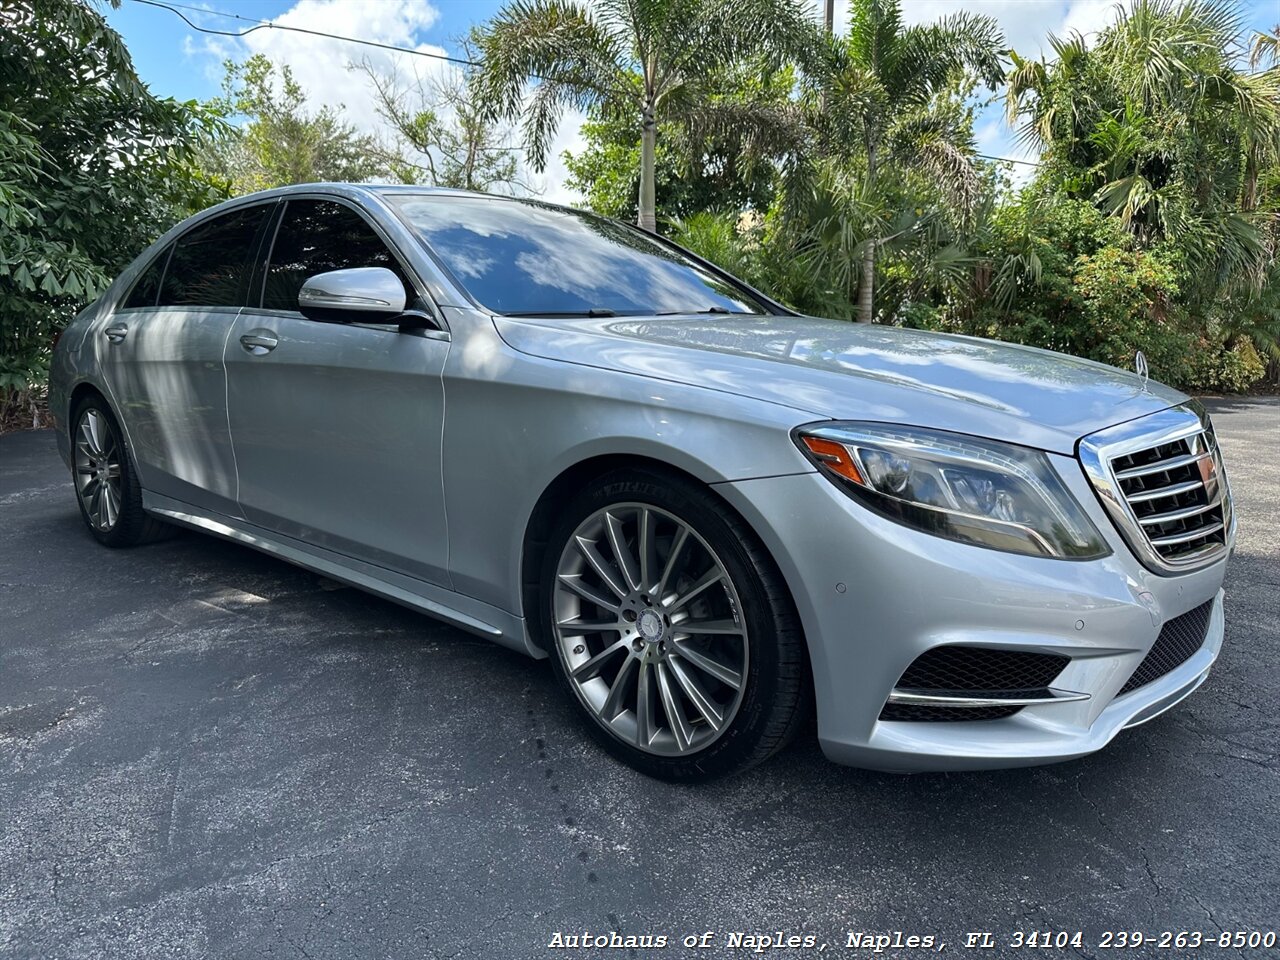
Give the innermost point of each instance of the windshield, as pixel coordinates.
(524, 258)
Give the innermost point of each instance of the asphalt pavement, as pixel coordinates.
(207, 752)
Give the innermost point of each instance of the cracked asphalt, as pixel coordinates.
(206, 752)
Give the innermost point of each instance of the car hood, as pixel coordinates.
(849, 371)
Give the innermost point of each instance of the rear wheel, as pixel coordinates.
(106, 484)
(671, 627)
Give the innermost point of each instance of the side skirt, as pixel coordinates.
(469, 614)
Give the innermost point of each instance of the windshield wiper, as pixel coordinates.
(690, 313)
(593, 312)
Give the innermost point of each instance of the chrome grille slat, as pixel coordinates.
(1156, 519)
(1161, 480)
(1163, 466)
(1162, 492)
(1174, 539)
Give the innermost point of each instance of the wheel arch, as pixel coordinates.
(83, 389)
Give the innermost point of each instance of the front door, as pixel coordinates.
(336, 427)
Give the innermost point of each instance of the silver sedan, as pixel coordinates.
(711, 515)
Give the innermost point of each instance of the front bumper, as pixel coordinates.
(873, 595)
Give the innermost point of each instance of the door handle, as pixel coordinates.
(258, 344)
(117, 333)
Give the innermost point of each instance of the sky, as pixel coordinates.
(178, 61)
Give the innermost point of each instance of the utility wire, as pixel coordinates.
(268, 25)
(177, 8)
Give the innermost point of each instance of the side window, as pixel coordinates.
(210, 265)
(146, 289)
(316, 236)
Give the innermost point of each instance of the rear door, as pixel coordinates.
(336, 427)
(162, 356)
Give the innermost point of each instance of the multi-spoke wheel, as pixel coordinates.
(106, 487)
(671, 627)
(97, 459)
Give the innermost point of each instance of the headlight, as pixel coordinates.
(976, 491)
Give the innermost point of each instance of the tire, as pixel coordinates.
(610, 625)
(105, 480)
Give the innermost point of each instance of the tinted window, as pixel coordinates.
(147, 288)
(210, 264)
(530, 258)
(317, 236)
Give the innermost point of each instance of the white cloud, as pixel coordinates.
(320, 65)
(1087, 17)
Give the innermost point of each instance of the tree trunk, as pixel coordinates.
(866, 284)
(648, 219)
(1249, 195)
(829, 16)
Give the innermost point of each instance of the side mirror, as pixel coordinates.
(358, 295)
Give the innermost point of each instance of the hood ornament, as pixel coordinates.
(1140, 367)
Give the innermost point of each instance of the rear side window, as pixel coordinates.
(146, 290)
(210, 265)
(316, 236)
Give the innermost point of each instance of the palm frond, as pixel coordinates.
(562, 43)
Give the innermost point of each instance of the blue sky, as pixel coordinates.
(177, 61)
(174, 60)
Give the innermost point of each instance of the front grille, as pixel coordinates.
(1179, 639)
(974, 672)
(1178, 497)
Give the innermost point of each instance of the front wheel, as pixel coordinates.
(671, 627)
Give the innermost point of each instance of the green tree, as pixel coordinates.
(699, 160)
(444, 138)
(642, 62)
(1159, 123)
(280, 140)
(92, 168)
(878, 88)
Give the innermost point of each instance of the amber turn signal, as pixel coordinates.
(834, 457)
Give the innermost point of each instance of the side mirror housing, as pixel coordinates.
(358, 295)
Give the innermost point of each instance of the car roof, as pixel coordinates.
(374, 189)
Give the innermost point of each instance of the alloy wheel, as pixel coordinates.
(97, 458)
(647, 624)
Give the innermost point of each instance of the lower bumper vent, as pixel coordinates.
(914, 712)
(1179, 639)
(953, 675)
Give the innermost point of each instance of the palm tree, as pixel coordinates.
(645, 59)
(1159, 124)
(877, 86)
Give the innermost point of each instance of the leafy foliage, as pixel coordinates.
(635, 62)
(92, 168)
(280, 140)
(444, 137)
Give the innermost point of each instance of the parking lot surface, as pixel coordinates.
(207, 752)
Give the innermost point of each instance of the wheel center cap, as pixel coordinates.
(649, 625)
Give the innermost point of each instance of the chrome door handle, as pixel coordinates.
(258, 344)
(117, 333)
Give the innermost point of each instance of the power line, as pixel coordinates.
(269, 25)
(177, 8)
(1025, 163)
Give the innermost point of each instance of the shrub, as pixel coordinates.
(1225, 369)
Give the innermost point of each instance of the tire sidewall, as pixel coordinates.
(735, 747)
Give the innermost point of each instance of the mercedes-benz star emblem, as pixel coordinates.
(1140, 366)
